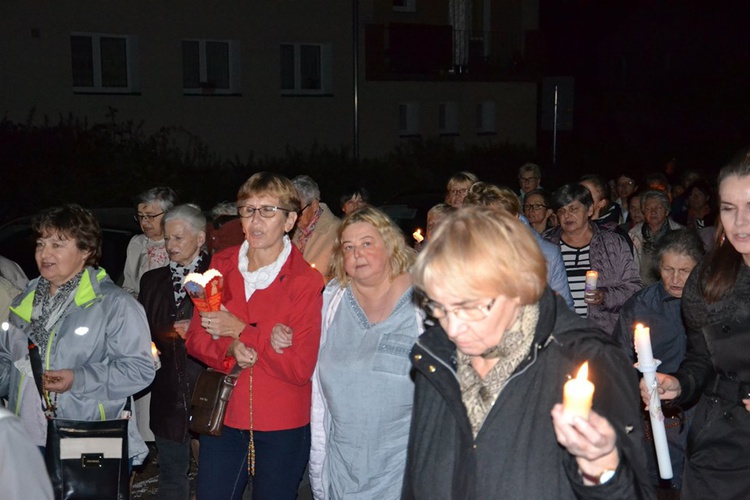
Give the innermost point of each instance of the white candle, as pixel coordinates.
(647, 366)
(155, 355)
(417, 235)
(578, 394)
(643, 345)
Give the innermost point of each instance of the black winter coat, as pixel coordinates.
(173, 385)
(516, 454)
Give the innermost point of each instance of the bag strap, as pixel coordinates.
(36, 369)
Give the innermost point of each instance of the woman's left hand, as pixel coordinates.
(596, 298)
(222, 324)
(592, 442)
(58, 380)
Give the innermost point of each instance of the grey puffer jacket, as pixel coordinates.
(618, 275)
(103, 337)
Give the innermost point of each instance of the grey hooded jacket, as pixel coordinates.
(102, 336)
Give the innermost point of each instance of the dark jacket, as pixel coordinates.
(516, 453)
(175, 380)
(716, 365)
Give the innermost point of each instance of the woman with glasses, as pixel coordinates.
(362, 391)
(269, 325)
(537, 209)
(458, 187)
(487, 422)
(146, 251)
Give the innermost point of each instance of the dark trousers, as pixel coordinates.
(280, 460)
(174, 468)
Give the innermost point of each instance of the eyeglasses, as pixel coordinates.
(463, 312)
(534, 207)
(305, 207)
(143, 217)
(625, 183)
(454, 192)
(266, 211)
(527, 179)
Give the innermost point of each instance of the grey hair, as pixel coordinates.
(164, 196)
(657, 195)
(189, 213)
(224, 208)
(530, 167)
(682, 242)
(307, 188)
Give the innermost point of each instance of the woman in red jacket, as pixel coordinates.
(270, 326)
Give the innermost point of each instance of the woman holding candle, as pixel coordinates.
(489, 376)
(269, 325)
(658, 307)
(715, 304)
(585, 246)
(370, 325)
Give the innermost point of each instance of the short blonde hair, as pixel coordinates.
(481, 251)
(461, 179)
(272, 184)
(484, 193)
(401, 256)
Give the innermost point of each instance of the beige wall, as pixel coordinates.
(35, 73)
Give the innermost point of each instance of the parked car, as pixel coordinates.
(409, 210)
(118, 227)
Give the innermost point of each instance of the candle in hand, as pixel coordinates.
(155, 355)
(578, 394)
(417, 235)
(643, 345)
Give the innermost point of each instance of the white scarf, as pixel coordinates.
(263, 277)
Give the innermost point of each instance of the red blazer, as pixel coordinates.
(281, 382)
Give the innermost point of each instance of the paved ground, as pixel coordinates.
(147, 479)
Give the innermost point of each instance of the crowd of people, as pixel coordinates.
(390, 371)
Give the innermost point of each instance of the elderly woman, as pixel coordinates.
(92, 336)
(169, 310)
(658, 307)
(146, 251)
(316, 226)
(482, 193)
(655, 206)
(370, 324)
(585, 246)
(457, 188)
(489, 375)
(269, 325)
(537, 207)
(700, 213)
(715, 305)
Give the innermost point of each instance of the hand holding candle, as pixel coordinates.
(205, 290)
(155, 355)
(578, 394)
(417, 235)
(589, 293)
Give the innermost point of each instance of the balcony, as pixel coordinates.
(400, 51)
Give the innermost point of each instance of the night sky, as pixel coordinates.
(654, 80)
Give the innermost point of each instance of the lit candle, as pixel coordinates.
(417, 235)
(312, 265)
(643, 345)
(590, 287)
(647, 366)
(578, 394)
(155, 355)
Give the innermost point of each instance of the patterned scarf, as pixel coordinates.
(479, 394)
(650, 239)
(156, 255)
(48, 309)
(178, 276)
(305, 233)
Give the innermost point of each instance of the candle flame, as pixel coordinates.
(312, 265)
(583, 372)
(417, 235)
(592, 273)
(154, 350)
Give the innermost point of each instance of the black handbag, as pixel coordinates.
(211, 395)
(86, 459)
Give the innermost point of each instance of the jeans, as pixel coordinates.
(174, 467)
(280, 460)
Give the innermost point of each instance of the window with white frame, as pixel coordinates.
(104, 63)
(211, 67)
(408, 119)
(306, 69)
(405, 5)
(448, 118)
(485, 117)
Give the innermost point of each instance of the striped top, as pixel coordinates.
(576, 264)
